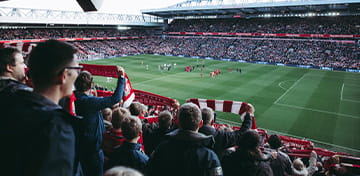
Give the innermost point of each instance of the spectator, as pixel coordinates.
(247, 159)
(299, 169)
(129, 153)
(107, 115)
(12, 70)
(114, 136)
(154, 138)
(223, 139)
(186, 152)
(92, 126)
(282, 164)
(138, 109)
(40, 135)
(122, 171)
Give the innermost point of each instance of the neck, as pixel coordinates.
(51, 93)
(87, 92)
(135, 140)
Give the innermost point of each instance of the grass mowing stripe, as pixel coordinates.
(288, 90)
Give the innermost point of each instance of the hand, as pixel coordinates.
(120, 71)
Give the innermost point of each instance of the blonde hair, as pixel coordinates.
(122, 171)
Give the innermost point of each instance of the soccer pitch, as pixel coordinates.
(322, 106)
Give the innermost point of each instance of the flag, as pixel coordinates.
(111, 71)
(234, 107)
(129, 94)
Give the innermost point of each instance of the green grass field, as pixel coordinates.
(322, 106)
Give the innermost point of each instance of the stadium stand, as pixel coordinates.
(316, 25)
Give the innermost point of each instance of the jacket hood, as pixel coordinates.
(192, 137)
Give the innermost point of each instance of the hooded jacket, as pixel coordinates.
(39, 135)
(185, 153)
(226, 139)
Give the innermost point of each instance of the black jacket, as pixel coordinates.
(153, 138)
(129, 154)
(243, 163)
(38, 135)
(185, 153)
(226, 139)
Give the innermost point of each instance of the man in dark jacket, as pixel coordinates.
(186, 152)
(154, 137)
(12, 70)
(39, 134)
(281, 166)
(247, 160)
(92, 125)
(223, 139)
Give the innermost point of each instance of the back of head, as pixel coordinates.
(299, 168)
(135, 108)
(131, 127)
(7, 57)
(84, 81)
(165, 119)
(207, 115)
(48, 59)
(189, 116)
(274, 141)
(107, 114)
(118, 115)
(249, 141)
(122, 171)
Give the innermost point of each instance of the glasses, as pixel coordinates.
(77, 68)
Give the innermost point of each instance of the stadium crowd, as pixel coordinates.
(49, 33)
(183, 142)
(297, 52)
(312, 25)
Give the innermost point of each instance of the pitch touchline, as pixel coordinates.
(299, 137)
(289, 89)
(317, 110)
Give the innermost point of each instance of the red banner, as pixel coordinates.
(101, 70)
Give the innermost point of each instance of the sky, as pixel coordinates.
(132, 7)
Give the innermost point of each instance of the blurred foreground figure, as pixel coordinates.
(39, 134)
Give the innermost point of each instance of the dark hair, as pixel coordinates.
(189, 116)
(249, 141)
(131, 127)
(118, 115)
(165, 119)
(48, 59)
(207, 115)
(7, 57)
(135, 108)
(274, 141)
(83, 81)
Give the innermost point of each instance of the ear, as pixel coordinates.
(61, 77)
(9, 68)
(212, 122)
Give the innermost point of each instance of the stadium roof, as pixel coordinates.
(254, 8)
